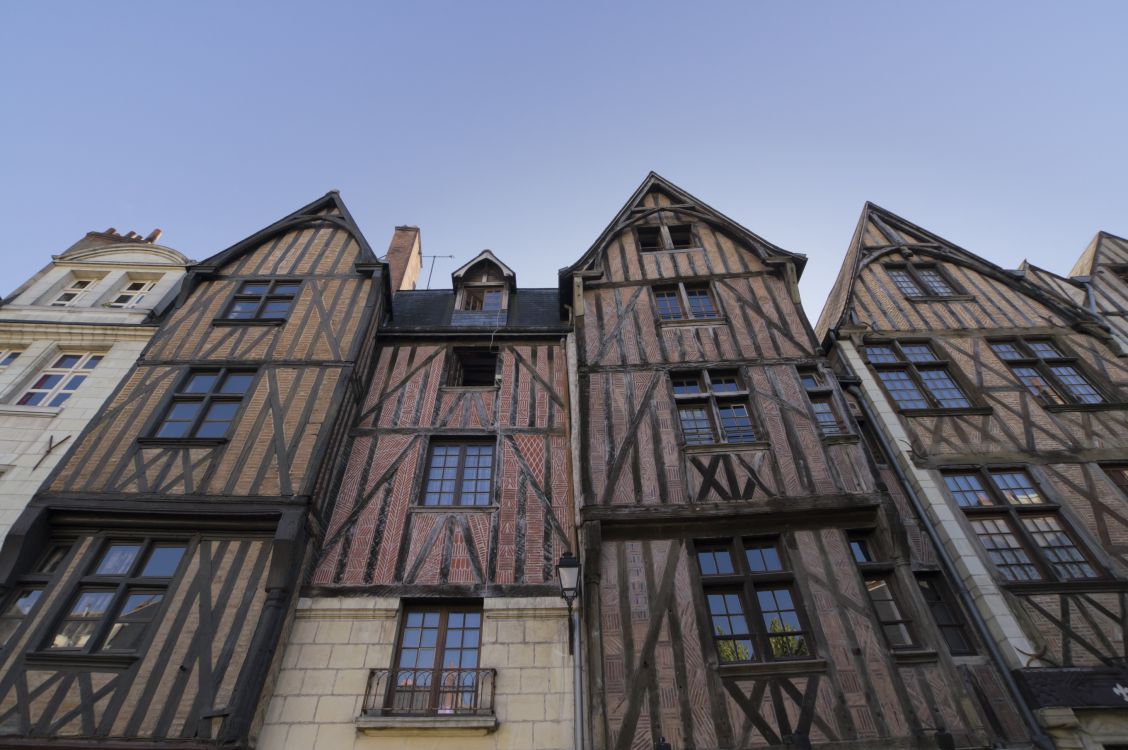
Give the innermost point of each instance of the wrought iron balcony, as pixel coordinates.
(430, 692)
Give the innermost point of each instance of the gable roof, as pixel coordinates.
(881, 231)
(1091, 258)
(489, 257)
(684, 203)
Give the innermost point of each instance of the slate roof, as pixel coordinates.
(426, 311)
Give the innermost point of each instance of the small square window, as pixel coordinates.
(263, 300)
(473, 368)
(649, 238)
(681, 236)
(205, 405)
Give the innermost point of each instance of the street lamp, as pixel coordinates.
(568, 570)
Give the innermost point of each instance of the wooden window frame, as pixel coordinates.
(748, 584)
(120, 587)
(913, 368)
(206, 400)
(946, 599)
(1013, 515)
(456, 369)
(818, 390)
(133, 297)
(65, 374)
(261, 300)
(460, 470)
(926, 289)
(1062, 397)
(665, 237)
(445, 610)
(39, 578)
(1121, 479)
(873, 567)
(712, 400)
(685, 310)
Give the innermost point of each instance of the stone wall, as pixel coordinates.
(334, 642)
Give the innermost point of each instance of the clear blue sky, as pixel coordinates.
(524, 126)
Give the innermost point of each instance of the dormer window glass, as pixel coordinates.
(482, 300)
(132, 294)
(73, 293)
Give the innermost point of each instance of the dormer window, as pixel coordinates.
(482, 289)
(74, 292)
(485, 300)
(655, 238)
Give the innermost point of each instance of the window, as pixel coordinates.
(483, 289)
(29, 591)
(118, 599)
(55, 384)
(8, 356)
(685, 302)
(437, 665)
(880, 582)
(1053, 377)
(1020, 530)
(205, 404)
(263, 300)
(821, 398)
(1119, 476)
(482, 300)
(945, 613)
(914, 377)
(132, 294)
(713, 407)
(459, 474)
(752, 603)
(472, 367)
(921, 280)
(665, 237)
(74, 292)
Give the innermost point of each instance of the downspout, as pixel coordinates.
(574, 615)
(1036, 734)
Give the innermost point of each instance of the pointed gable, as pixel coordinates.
(662, 216)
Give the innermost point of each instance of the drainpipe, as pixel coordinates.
(1036, 734)
(577, 677)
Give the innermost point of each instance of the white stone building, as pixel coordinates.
(67, 337)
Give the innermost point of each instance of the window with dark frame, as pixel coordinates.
(655, 238)
(915, 377)
(472, 367)
(752, 601)
(880, 581)
(685, 302)
(263, 300)
(921, 280)
(437, 669)
(482, 289)
(1053, 376)
(118, 599)
(205, 404)
(713, 407)
(1021, 531)
(1118, 473)
(945, 614)
(820, 396)
(459, 473)
(29, 590)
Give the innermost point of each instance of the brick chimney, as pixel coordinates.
(405, 258)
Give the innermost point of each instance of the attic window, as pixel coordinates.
(665, 237)
(472, 368)
(482, 300)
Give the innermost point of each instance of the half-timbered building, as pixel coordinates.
(433, 618)
(147, 584)
(750, 578)
(1002, 400)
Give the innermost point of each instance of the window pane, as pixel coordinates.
(780, 620)
(736, 423)
(118, 559)
(8, 358)
(918, 352)
(968, 490)
(254, 287)
(288, 289)
(902, 389)
(25, 601)
(184, 410)
(881, 354)
(700, 303)
(1037, 384)
(762, 557)
(725, 382)
(1016, 487)
(715, 562)
(1043, 349)
(163, 561)
(1004, 549)
(861, 550)
(223, 411)
(242, 309)
(825, 417)
(1007, 350)
(477, 472)
(67, 361)
(685, 384)
(237, 383)
(200, 382)
(212, 430)
(92, 362)
(442, 476)
(945, 618)
(1076, 384)
(74, 634)
(491, 300)
(669, 308)
(169, 429)
(275, 309)
(91, 604)
(1062, 554)
(935, 282)
(940, 384)
(893, 622)
(905, 283)
(727, 613)
(696, 425)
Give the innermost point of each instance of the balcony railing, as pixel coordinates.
(430, 692)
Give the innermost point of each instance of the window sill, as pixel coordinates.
(434, 726)
(229, 322)
(945, 298)
(1103, 406)
(15, 410)
(774, 668)
(970, 411)
(726, 447)
(690, 322)
(915, 655)
(182, 442)
(840, 439)
(453, 508)
(71, 660)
